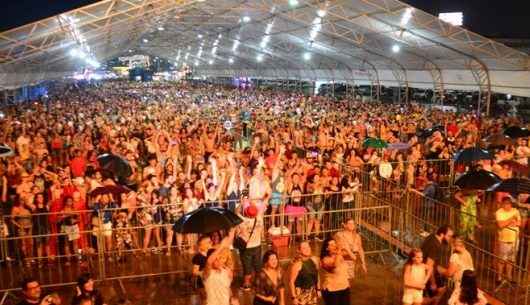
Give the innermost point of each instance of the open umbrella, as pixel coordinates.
(115, 190)
(477, 180)
(498, 140)
(375, 143)
(513, 186)
(6, 151)
(515, 166)
(399, 146)
(427, 132)
(515, 132)
(472, 154)
(207, 220)
(116, 165)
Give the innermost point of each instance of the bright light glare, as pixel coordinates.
(231, 60)
(93, 63)
(246, 19)
(307, 56)
(321, 13)
(199, 36)
(293, 2)
(196, 63)
(236, 44)
(395, 48)
(74, 52)
(210, 62)
(161, 28)
(268, 28)
(456, 19)
(259, 58)
(145, 40)
(509, 96)
(407, 15)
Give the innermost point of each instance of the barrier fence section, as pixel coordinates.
(57, 247)
(414, 216)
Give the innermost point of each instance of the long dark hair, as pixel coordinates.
(324, 249)
(268, 255)
(469, 290)
(412, 254)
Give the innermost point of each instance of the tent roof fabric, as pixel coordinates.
(336, 35)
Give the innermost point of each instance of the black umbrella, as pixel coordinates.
(472, 154)
(6, 151)
(513, 186)
(115, 190)
(116, 165)
(498, 141)
(517, 132)
(477, 180)
(207, 220)
(425, 133)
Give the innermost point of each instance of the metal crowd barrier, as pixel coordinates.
(416, 216)
(93, 254)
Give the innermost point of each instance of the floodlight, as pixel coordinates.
(456, 19)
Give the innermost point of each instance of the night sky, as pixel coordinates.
(491, 18)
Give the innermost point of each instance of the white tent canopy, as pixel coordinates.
(352, 40)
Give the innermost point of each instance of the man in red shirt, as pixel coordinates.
(78, 164)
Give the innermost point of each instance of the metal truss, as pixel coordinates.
(400, 74)
(352, 34)
(482, 77)
(437, 82)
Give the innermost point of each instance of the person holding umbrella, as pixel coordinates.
(219, 272)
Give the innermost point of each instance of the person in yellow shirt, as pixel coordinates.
(508, 223)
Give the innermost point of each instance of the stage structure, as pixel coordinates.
(398, 45)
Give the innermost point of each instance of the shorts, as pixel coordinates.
(251, 260)
(306, 296)
(276, 199)
(72, 231)
(316, 211)
(411, 295)
(507, 251)
(107, 229)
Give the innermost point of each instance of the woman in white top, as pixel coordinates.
(459, 261)
(218, 273)
(416, 274)
(467, 293)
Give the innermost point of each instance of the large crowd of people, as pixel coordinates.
(276, 158)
